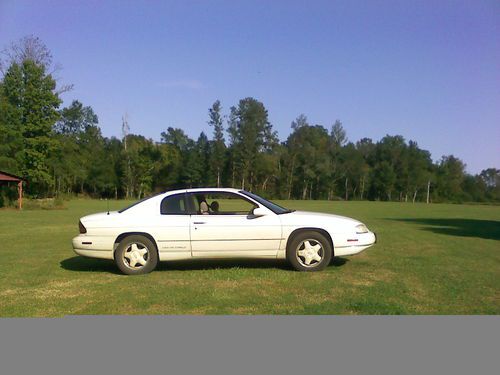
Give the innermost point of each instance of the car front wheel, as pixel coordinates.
(136, 255)
(309, 251)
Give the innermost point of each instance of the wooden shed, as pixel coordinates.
(6, 178)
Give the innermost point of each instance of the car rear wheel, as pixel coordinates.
(309, 251)
(136, 255)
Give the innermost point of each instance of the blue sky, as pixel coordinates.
(428, 70)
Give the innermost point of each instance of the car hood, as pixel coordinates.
(318, 219)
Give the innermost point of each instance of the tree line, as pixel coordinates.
(62, 151)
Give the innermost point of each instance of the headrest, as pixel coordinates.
(203, 207)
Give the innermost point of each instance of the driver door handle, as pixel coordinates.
(199, 222)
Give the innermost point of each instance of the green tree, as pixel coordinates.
(250, 133)
(419, 169)
(393, 150)
(143, 158)
(11, 138)
(217, 156)
(75, 119)
(491, 179)
(80, 151)
(176, 137)
(365, 147)
(338, 134)
(292, 146)
(383, 179)
(354, 168)
(308, 152)
(32, 91)
(169, 168)
(450, 175)
(114, 173)
(195, 172)
(337, 140)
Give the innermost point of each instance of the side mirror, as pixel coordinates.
(259, 211)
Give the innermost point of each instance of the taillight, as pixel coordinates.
(82, 228)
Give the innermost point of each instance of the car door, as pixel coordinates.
(172, 228)
(227, 228)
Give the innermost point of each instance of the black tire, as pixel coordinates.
(129, 258)
(298, 243)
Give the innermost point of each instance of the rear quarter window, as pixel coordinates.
(173, 205)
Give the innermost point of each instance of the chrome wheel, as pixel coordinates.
(136, 255)
(309, 253)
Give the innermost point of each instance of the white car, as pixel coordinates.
(217, 223)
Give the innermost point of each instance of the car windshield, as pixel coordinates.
(272, 206)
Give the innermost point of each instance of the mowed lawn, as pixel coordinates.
(430, 259)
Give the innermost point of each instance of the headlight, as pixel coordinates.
(361, 228)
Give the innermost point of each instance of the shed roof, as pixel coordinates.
(4, 176)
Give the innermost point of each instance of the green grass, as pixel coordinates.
(430, 259)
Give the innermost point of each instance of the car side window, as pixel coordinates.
(173, 205)
(221, 203)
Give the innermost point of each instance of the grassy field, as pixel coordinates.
(430, 259)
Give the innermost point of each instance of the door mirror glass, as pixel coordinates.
(260, 211)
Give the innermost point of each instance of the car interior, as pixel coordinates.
(206, 204)
(222, 204)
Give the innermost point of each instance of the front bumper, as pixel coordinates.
(356, 245)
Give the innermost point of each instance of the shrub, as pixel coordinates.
(43, 204)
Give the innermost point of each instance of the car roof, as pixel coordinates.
(201, 190)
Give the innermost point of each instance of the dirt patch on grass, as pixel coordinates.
(61, 290)
(51, 290)
(366, 278)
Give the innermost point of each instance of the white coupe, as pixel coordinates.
(217, 223)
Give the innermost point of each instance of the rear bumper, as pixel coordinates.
(93, 246)
(94, 253)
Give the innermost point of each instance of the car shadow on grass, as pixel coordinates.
(82, 264)
(208, 264)
(486, 229)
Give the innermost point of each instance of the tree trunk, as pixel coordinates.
(290, 178)
(304, 191)
(218, 177)
(428, 190)
(317, 187)
(264, 184)
(362, 187)
(415, 195)
(232, 177)
(346, 190)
